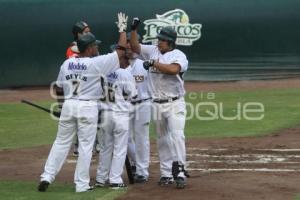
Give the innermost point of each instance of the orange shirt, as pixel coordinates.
(72, 50)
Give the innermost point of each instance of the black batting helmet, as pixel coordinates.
(79, 27)
(168, 34)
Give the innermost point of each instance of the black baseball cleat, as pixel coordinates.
(165, 181)
(140, 179)
(43, 186)
(99, 184)
(117, 186)
(180, 182)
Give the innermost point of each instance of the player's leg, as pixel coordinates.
(87, 128)
(176, 123)
(141, 129)
(164, 152)
(61, 145)
(120, 150)
(106, 148)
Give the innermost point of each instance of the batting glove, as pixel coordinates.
(148, 63)
(122, 22)
(135, 23)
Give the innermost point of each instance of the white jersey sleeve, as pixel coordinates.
(180, 58)
(106, 64)
(164, 86)
(147, 51)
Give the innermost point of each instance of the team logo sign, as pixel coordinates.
(186, 33)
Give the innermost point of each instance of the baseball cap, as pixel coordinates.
(85, 40)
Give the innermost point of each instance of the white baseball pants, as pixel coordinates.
(113, 146)
(139, 130)
(76, 117)
(169, 119)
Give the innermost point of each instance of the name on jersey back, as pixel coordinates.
(79, 67)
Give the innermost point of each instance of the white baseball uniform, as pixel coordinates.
(119, 87)
(138, 143)
(80, 80)
(168, 107)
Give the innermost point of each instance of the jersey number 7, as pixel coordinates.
(76, 85)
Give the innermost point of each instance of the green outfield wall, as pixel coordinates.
(250, 39)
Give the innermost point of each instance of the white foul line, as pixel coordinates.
(69, 161)
(243, 169)
(223, 149)
(243, 156)
(259, 158)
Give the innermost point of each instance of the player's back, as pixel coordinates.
(118, 89)
(80, 76)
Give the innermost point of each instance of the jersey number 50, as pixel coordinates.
(108, 91)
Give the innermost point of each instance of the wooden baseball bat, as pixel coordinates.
(56, 114)
(129, 170)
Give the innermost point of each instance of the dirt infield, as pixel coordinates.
(230, 169)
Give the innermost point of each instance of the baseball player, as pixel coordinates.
(166, 66)
(119, 88)
(138, 143)
(79, 28)
(79, 84)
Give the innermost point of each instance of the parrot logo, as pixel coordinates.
(176, 16)
(187, 33)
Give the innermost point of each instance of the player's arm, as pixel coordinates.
(122, 25)
(171, 69)
(105, 64)
(134, 41)
(179, 64)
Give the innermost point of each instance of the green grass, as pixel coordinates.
(16, 190)
(25, 126)
(281, 110)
